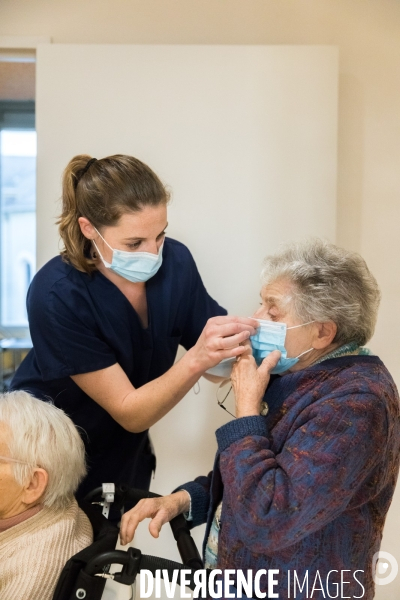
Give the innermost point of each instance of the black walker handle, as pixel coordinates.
(187, 548)
(133, 562)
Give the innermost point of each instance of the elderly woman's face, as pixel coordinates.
(10, 490)
(276, 305)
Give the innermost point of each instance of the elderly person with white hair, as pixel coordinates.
(42, 461)
(305, 474)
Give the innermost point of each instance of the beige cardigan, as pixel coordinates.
(33, 553)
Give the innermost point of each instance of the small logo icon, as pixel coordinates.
(384, 568)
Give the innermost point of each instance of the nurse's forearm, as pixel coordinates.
(138, 409)
(144, 406)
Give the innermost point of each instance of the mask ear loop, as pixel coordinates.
(98, 232)
(305, 352)
(302, 325)
(100, 254)
(106, 264)
(295, 327)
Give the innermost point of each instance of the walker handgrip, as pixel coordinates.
(133, 562)
(187, 548)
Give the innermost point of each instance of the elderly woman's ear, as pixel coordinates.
(34, 490)
(323, 334)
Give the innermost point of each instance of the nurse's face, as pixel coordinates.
(142, 231)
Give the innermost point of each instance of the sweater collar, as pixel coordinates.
(20, 518)
(351, 349)
(282, 386)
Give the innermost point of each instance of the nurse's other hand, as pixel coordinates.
(249, 382)
(159, 510)
(222, 338)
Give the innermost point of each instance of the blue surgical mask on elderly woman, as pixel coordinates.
(271, 336)
(134, 266)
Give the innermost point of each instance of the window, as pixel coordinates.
(17, 213)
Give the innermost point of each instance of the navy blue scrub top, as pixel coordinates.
(81, 323)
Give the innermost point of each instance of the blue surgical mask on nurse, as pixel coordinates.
(137, 267)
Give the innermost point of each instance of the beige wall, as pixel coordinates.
(368, 35)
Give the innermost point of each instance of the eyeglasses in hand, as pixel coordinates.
(222, 395)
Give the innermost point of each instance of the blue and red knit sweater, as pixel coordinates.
(307, 488)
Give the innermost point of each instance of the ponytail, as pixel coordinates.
(75, 244)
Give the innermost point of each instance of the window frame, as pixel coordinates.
(19, 115)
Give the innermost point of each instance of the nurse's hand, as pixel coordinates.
(159, 510)
(222, 338)
(249, 382)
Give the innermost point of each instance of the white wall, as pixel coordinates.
(246, 136)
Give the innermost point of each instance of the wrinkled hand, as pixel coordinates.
(159, 510)
(249, 382)
(221, 338)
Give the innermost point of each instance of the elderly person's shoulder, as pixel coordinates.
(42, 461)
(357, 385)
(40, 547)
(358, 374)
(44, 528)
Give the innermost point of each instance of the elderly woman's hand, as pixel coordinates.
(159, 510)
(249, 382)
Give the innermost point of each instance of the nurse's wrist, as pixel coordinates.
(195, 366)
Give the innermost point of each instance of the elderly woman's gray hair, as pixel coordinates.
(329, 284)
(42, 435)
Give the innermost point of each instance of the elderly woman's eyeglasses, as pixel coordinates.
(14, 460)
(223, 392)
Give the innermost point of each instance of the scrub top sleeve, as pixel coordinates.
(201, 308)
(66, 339)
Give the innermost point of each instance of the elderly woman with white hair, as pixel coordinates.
(305, 474)
(42, 461)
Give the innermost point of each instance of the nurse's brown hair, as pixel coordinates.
(102, 191)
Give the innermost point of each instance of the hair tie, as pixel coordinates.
(84, 170)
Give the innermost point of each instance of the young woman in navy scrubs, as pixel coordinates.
(106, 318)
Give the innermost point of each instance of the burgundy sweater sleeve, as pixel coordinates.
(279, 498)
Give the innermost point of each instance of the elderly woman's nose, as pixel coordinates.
(261, 313)
(257, 312)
